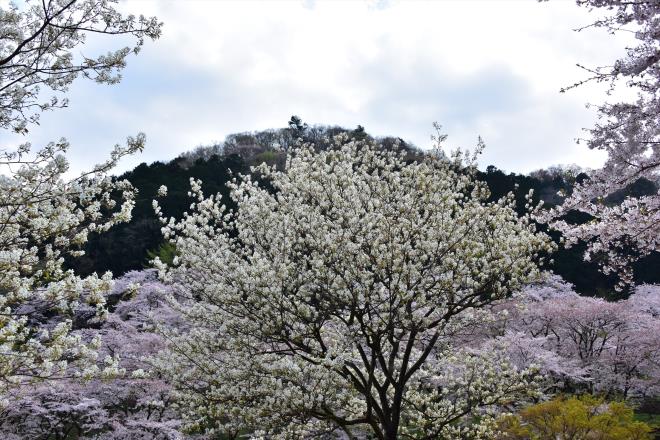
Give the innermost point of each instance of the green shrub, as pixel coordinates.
(575, 418)
(165, 252)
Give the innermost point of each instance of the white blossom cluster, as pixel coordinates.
(43, 219)
(325, 307)
(36, 52)
(133, 406)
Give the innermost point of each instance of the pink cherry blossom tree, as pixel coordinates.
(133, 406)
(629, 131)
(605, 347)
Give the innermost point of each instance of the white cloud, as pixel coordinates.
(478, 67)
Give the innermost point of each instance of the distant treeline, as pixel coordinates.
(130, 246)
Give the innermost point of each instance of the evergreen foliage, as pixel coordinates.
(131, 246)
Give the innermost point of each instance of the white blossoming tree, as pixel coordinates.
(326, 308)
(45, 217)
(36, 51)
(629, 132)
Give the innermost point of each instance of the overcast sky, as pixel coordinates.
(491, 68)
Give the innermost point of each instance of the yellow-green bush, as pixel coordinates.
(575, 418)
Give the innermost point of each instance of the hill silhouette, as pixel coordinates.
(130, 246)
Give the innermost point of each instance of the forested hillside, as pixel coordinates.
(130, 246)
